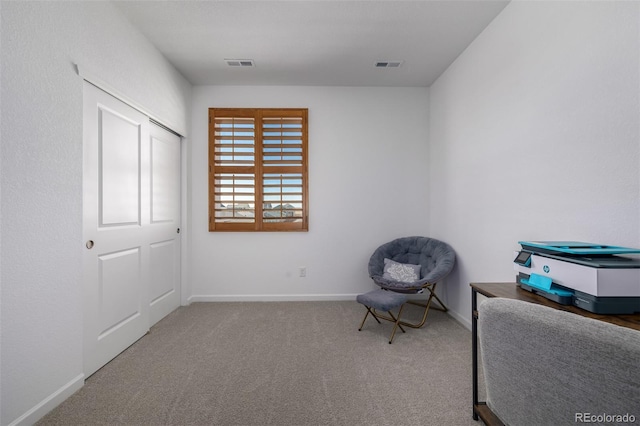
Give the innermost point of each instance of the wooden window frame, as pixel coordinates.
(236, 171)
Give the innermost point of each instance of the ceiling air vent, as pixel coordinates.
(240, 62)
(388, 64)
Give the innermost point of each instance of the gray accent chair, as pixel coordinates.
(436, 260)
(543, 366)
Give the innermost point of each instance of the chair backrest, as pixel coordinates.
(549, 367)
(436, 259)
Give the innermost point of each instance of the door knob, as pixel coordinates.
(89, 244)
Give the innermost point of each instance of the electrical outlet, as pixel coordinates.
(303, 271)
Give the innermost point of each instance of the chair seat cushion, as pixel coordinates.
(381, 299)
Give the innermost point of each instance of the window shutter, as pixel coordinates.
(258, 169)
(232, 159)
(283, 169)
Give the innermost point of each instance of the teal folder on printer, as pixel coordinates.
(545, 284)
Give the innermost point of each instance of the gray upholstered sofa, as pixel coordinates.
(548, 367)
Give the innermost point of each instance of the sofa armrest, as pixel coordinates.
(545, 366)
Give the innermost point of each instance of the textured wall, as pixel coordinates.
(41, 173)
(367, 184)
(535, 135)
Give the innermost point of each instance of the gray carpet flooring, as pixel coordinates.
(281, 363)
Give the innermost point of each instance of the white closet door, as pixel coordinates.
(129, 208)
(164, 288)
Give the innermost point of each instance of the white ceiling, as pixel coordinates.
(315, 43)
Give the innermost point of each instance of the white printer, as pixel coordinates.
(599, 278)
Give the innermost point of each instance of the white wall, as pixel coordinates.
(41, 346)
(535, 136)
(368, 183)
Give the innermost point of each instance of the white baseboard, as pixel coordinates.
(272, 298)
(50, 402)
(462, 320)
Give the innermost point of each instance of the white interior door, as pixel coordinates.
(164, 288)
(127, 214)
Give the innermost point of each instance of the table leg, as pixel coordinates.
(474, 346)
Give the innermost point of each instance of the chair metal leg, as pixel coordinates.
(392, 318)
(426, 307)
(443, 307)
(431, 288)
(369, 311)
(396, 324)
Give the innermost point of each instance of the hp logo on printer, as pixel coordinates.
(545, 268)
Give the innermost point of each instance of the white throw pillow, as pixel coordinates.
(402, 272)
